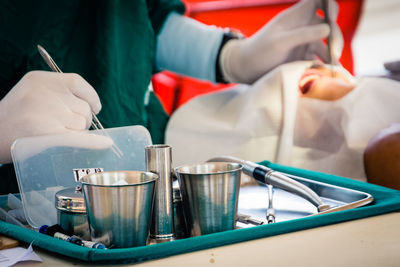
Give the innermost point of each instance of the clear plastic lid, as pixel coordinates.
(45, 165)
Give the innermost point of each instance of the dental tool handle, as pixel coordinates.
(249, 168)
(282, 181)
(286, 183)
(331, 58)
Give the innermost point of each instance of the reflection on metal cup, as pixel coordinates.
(179, 217)
(119, 206)
(210, 193)
(71, 212)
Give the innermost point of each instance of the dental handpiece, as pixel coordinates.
(267, 176)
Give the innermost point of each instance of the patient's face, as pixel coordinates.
(317, 82)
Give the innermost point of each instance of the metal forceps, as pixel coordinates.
(331, 58)
(95, 121)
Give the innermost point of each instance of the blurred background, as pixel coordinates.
(377, 38)
(371, 31)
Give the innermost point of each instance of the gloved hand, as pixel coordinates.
(43, 103)
(294, 34)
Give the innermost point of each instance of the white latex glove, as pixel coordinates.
(294, 34)
(43, 103)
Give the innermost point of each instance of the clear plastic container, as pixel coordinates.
(45, 165)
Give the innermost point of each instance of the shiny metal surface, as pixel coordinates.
(270, 216)
(71, 212)
(179, 217)
(276, 179)
(284, 182)
(96, 124)
(243, 218)
(74, 223)
(158, 160)
(253, 201)
(210, 194)
(70, 199)
(119, 206)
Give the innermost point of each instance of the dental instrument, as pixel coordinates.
(246, 219)
(95, 121)
(331, 58)
(268, 176)
(270, 211)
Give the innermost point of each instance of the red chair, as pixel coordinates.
(247, 16)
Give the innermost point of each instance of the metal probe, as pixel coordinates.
(331, 58)
(95, 121)
(246, 219)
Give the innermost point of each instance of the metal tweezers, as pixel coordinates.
(331, 58)
(95, 121)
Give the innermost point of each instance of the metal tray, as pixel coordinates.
(253, 201)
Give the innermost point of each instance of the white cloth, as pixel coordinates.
(268, 121)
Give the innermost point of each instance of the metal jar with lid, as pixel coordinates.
(71, 212)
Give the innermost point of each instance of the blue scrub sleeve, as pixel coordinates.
(188, 47)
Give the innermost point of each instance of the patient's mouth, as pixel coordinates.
(306, 87)
(307, 80)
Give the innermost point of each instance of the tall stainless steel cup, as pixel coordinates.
(210, 193)
(119, 206)
(158, 160)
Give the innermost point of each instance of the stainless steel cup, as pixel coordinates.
(119, 206)
(210, 194)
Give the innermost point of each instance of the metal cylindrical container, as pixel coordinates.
(71, 212)
(210, 194)
(119, 205)
(159, 160)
